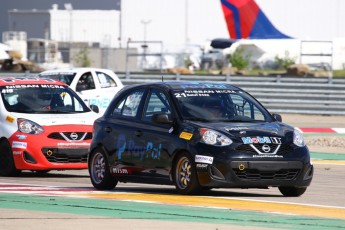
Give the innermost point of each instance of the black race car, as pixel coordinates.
(196, 135)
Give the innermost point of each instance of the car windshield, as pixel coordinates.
(213, 105)
(41, 99)
(67, 77)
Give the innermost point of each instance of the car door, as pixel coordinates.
(157, 139)
(106, 88)
(120, 130)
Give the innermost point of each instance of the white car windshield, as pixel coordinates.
(41, 99)
(63, 77)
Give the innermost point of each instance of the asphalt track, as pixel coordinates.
(67, 200)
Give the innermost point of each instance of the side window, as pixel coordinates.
(129, 105)
(105, 80)
(157, 103)
(245, 108)
(85, 82)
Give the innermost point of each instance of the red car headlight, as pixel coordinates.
(27, 126)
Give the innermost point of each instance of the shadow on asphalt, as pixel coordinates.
(146, 189)
(50, 174)
(212, 192)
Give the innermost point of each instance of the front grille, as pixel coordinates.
(55, 155)
(254, 174)
(67, 136)
(283, 149)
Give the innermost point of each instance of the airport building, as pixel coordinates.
(55, 36)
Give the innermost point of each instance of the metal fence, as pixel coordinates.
(279, 94)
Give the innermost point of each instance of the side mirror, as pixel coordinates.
(161, 118)
(94, 108)
(277, 117)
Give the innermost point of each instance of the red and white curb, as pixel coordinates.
(322, 130)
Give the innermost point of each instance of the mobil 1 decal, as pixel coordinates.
(261, 140)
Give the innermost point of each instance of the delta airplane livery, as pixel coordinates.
(252, 30)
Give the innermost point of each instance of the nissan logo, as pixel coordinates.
(74, 136)
(266, 148)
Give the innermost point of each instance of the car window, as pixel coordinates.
(63, 77)
(85, 82)
(245, 108)
(129, 105)
(157, 103)
(219, 105)
(105, 80)
(42, 99)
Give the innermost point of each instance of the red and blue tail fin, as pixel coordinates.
(245, 19)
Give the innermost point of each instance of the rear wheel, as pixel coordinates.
(184, 174)
(292, 191)
(99, 171)
(7, 166)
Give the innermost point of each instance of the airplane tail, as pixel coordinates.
(245, 19)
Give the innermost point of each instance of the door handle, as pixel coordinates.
(108, 129)
(138, 133)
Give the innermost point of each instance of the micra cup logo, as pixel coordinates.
(261, 140)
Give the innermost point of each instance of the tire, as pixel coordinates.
(184, 175)
(292, 191)
(100, 175)
(7, 166)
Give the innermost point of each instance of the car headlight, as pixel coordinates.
(298, 138)
(211, 137)
(27, 126)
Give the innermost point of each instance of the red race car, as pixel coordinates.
(45, 126)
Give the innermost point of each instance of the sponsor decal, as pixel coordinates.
(203, 159)
(74, 144)
(100, 102)
(235, 128)
(18, 79)
(186, 136)
(261, 140)
(201, 166)
(120, 171)
(267, 155)
(21, 137)
(31, 86)
(19, 145)
(201, 92)
(131, 149)
(10, 119)
(197, 85)
(17, 152)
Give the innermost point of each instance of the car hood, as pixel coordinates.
(250, 129)
(60, 119)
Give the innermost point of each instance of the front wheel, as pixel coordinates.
(292, 191)
(7, 166)
(184, 174)
(100, 175)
